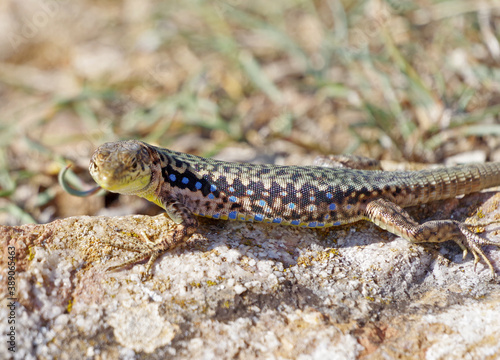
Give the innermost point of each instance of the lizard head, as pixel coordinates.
(123, 167)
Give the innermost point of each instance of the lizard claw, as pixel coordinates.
(474, 243)
(476, 260)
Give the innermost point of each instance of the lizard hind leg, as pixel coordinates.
(393, 218)
(348, 161)
(474, 243)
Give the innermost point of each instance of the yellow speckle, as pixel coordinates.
(70, 305)
(247, 242)
(31, 253)
(305, 261)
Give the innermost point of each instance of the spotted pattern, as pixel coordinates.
(291, 195)
(312, 197)
(303, 196)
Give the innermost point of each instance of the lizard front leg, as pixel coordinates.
(187, 223)
(393, 218)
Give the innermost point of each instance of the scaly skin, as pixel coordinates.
(310, 196)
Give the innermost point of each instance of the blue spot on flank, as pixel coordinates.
(242, 218)
(216, 216)
(329, 195)
(312, 198)
(283, 193)
(232, 215)
(172, 177)
(213, 188)
(211, 196)
(311, 208)
(277, 220)
(295, 222)
(348, 207)
(249, 192)
(232, 198)
(198, 185)
(312, 224)
(332, 207)
(262, 203)
(291, 206)
(337, 223)
(327, 217)
(231, 189)
(185, 180)
(258, 217)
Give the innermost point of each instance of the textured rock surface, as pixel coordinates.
(242, 290)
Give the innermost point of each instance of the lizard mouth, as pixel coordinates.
(121, 167)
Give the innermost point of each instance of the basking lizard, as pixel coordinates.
(187, 186)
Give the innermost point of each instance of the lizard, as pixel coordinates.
(328, 194)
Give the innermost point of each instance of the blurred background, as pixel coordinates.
(264, 81)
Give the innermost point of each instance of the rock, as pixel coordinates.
(244, 290)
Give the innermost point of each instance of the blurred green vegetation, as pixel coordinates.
(402, 80)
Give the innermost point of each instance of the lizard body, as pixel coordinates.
(187, 186)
